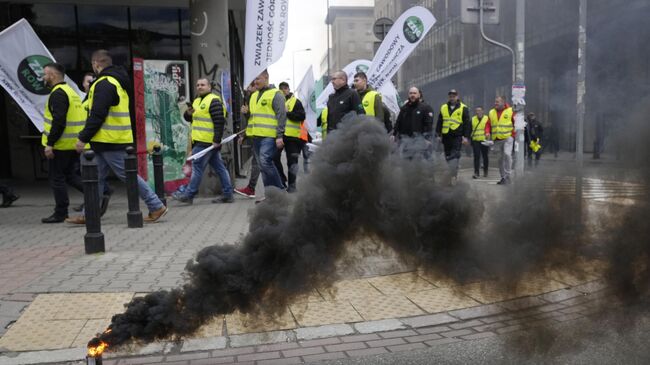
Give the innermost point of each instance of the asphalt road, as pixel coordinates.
(610, 340)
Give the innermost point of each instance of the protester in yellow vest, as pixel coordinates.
(533, 133)
(480, 133)
(208, 118)
(453, 129)
(293, 142)
(370, 99)
(501, 121)
(108, 130)
(249, 190)
(266, 126)
(64, 119)
(322, 123)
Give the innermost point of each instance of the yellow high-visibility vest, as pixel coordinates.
(453, 121)
(478, 128)
(202, 125)
(368, 102)
(323, 120)
(263, 121)
(117, 125)
(75, 120)
(292, 128)
(501, 127)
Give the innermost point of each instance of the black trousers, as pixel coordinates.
(480, 150)
(293, 149)
(63, 170)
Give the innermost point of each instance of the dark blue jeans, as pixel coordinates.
(265, 150)
(213, 158)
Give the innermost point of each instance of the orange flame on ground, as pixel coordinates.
(97, 350)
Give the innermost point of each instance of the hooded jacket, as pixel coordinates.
(105, 97)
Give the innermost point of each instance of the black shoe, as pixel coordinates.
(504, 181)
(54, 219)
(485, 173)
(476, 175)
(224, 199)
(291, 189)
(104, 204)
(9, 199)
(79, 208)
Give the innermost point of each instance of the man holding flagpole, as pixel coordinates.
(208, 118)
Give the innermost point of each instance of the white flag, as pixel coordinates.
(388, 91)
(407, 32)
(22, 59)
(304, 93)
(267, 27)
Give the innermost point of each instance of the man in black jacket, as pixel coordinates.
(534, 132)
(292, 142)
(342, 102)
(108, 130)
(414, 126)
(453, 128)
(64, 118)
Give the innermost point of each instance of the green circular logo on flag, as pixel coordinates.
(362, 68)
(30, 74)
(312, 100)
(413, 29)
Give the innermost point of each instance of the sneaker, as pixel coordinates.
(259, 201)
(80, 219)
(475, 176)
(224, 199)
(183, 198)
(247, 192)
(504, 181)
(54, 219)
(79, 208)
(9, 199)
(156, 215)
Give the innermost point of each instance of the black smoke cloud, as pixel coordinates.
(359, 188)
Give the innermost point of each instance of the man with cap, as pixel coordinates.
(453, 129)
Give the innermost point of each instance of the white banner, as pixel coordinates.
(388, 91)
(303, 93)
(22, 60)
(267, 27)
(407, 32)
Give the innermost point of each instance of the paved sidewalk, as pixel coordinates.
(380, 305)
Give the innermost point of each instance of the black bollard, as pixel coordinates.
(158, 173)
(134, 216)
(94, 238)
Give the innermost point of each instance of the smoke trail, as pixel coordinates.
(357, 189)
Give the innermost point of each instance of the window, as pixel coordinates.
(104, 27)
(155, 33)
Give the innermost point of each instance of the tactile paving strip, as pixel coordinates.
(42, 335)
(239, 323)
(321, 313)
(56, 321)
(491, 292)
(384, 307)
(350, 289)
(400, 284)
(213, 328)
(441, 300)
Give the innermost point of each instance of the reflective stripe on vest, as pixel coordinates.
(323, 120)
(368, 102)
(263, 121)
(75, 119)
(501, 127)
(202, 125)
(478, 128)
(292, 128)
(453, 121)
(117, 125)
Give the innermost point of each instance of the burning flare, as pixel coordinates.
(96, 346)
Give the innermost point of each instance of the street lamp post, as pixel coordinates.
(293, 63)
